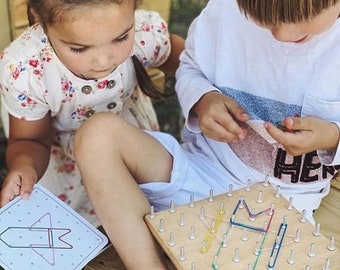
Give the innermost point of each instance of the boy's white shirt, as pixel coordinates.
(229, 53)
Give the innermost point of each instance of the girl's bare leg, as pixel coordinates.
(113, 157)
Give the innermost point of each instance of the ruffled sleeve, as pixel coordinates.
(152, 42)
(19, 81)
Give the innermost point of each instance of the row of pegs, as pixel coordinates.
(237, 259)
(259, 200)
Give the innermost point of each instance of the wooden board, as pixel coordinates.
(219, 233)
(108, 259)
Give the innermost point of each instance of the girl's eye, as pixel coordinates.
(123, 38)
(78, 50)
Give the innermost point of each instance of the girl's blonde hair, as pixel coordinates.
(270, 12)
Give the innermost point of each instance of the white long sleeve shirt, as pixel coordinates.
(271, 80)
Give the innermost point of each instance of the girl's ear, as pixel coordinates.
(32, 15)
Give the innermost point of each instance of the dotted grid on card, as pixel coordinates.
(45, 233)
(247, 229)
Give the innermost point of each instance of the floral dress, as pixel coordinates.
(34, 82)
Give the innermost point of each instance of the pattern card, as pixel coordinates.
(45, 233)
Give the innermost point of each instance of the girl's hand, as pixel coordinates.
(305, 134)
(19, 181)
(220, 117)
(27, 156)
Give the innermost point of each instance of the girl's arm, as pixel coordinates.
(154, 46)
(172, 63)
(27, 156)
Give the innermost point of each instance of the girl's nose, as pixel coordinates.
(103, 59)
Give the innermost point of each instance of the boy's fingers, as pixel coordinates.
(274, 131)
(237, 111)
(298, 123)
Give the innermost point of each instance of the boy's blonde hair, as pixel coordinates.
(270, 12)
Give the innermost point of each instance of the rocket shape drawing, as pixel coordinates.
(41, 237)
(27, 237)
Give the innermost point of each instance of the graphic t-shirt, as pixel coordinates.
(271, 80)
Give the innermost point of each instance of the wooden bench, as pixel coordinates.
(107, 260)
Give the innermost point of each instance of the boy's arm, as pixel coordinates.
(205, 109)
(191, 83)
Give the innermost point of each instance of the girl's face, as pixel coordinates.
(92, 41)
(304, 31)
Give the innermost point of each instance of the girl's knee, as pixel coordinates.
(101, 123)
(98, 129)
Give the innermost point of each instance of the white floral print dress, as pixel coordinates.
(34, 82)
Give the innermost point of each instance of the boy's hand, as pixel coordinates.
(305, 134)
(17, 183)
(220, 117)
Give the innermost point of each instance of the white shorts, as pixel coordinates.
(192, 174)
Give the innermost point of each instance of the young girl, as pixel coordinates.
(259, 86)
(80, 58)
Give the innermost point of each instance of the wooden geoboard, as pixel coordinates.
(248, 229)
